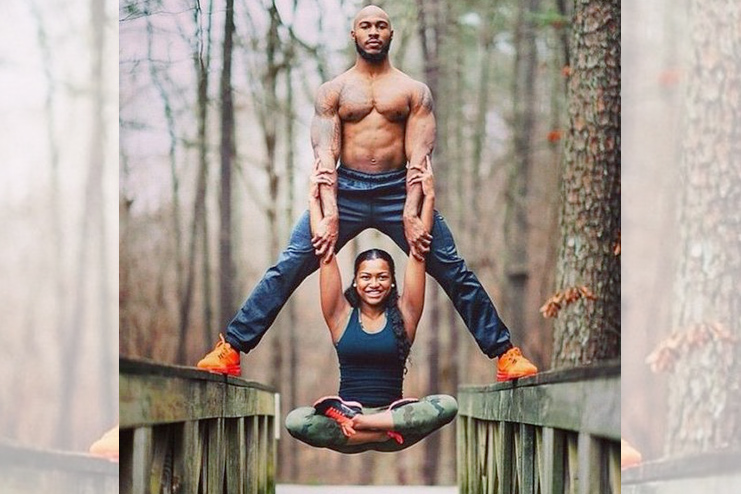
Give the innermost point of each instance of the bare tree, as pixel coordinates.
(92, 230)
(228, 151)
(199, 224)
(517, 224)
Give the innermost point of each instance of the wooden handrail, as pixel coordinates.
(717, 471)
(556, 432)
(185, 430)
(25, 470)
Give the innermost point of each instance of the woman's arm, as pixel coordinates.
(412, 300)
(334, 305)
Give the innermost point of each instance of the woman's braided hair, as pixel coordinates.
(403, 344)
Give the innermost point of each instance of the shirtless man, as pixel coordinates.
(379, 123)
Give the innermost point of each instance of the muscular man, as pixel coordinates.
(379, 123)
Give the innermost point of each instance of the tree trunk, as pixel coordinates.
(431, 35)
(290, 344)
(228, 151)
(705, 387)
(208, 310)
(589, 330)
(174, 179)
(92, 224)
(517, 223)
(199, 204)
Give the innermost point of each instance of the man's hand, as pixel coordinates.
(418, 238)
(325, 237)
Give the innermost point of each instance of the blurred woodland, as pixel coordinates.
(58, 183)
(216, 99)
(681, 386)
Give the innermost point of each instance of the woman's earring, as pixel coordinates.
(393, 285)
(354, 284)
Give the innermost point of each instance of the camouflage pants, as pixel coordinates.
(414, 421)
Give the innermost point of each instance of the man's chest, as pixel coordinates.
(359, 100)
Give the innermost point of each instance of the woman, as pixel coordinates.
(372, 326)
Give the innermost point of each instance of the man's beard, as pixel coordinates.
(373, 57)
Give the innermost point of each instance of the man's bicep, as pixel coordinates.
(325, 126)
(421, 126)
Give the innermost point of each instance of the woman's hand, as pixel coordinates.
(425, 177)
(319, 176)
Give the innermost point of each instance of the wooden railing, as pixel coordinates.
(716, 472)
(30, 471)
(188, 431)
(557, 432)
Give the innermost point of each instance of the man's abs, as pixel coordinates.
(373, 144)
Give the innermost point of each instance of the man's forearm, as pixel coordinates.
(328, 193)
(413, 201)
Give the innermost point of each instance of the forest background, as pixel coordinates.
(497, 74)
(56, 195)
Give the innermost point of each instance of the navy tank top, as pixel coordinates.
(370, 369)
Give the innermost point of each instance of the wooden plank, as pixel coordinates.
(491, 465)
(712, 465)
(215, 459)
(572, 473)
(589, 464)
(517, 475)
(26, 470)
(583, 373)
(272, 456)
(473, 474)
(613, 467)
(460, 457)
(236, 455)
(142, 460)
(527, 459)
(152, 393)
(587, 406)
(265, 437)
(481, 445)
(126, 459)
(133, 367)
(243, 401)
(552, 453)
(726, 482)
(507, 450)
(161, 449)
(253, 463)
(152, 400)
(187, 457)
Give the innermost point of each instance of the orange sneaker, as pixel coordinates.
(629, 456)
(107, 446)
(513, 365)
(223, 359)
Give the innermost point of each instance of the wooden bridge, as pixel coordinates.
(187, 431)
(718, 472)
(25, 470)
(191, 432)
(557, 432)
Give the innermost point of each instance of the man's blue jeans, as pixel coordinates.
(370, 201)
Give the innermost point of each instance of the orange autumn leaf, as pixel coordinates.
(616, 249)
(563, 298)
(554, 135)
(670, 77)
(680, 343)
